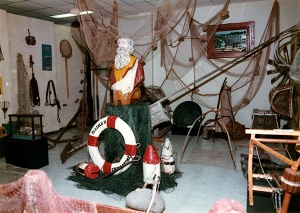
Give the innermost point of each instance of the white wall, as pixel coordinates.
(13, 30)
(75, 64)
(12, 38)
(4, 65)
(241, 12)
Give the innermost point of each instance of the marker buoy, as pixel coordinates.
(151, 164)
(90, 171)
(167, 159)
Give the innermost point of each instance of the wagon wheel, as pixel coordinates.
(283, 58)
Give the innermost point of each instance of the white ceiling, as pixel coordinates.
(42, 9)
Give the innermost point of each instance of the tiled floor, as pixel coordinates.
(198, 188)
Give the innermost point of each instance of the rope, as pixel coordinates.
(262, 169)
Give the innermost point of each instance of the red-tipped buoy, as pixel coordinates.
(151, 164)
(90, 171)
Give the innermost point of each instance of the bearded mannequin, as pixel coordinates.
(127, 74)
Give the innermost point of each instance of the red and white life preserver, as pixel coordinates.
(130, 143)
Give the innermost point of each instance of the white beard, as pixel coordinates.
(122, 58)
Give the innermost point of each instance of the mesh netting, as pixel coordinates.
(23, 87)
(137, 116)
(119, 186)
(172, 27)
(164, 25)
(34, 193)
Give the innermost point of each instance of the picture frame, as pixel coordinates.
(46, 57)
(231, 40)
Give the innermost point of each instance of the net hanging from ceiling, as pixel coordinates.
(171, 27)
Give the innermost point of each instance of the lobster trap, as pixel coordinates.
(264, 119)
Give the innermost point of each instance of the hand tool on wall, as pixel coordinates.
(66, 51)
(33, 87)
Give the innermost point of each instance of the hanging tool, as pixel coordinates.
(55, 101)
(66, 51)
(33, 87)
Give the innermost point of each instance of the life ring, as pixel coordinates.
(130, 144)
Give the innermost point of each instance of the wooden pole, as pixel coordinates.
(287, 195)
(67, 76)
(250, 172)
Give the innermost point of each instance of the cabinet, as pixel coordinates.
(25, 146)
(2, 148)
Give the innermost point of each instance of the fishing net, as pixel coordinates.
(172, 27)
(137, 117)
(119, 186)
(165, 23)
(24, 106)
(34, 193)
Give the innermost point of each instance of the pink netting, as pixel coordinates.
(227, 206)
(34, 193)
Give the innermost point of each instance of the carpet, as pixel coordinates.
(215, 158)
(10, 173)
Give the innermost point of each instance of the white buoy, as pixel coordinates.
(145, 198)
(167, 159)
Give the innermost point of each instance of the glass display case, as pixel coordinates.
(25, 146)
(26, 126)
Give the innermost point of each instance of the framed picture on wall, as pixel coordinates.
(47, 57)
(231, 40)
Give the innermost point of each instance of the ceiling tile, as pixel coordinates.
(65, 9)
(2, 2)
(33, 15)
(26, 6)
(49, 3)
(11, 9)
(45, 8)
(48, 12)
